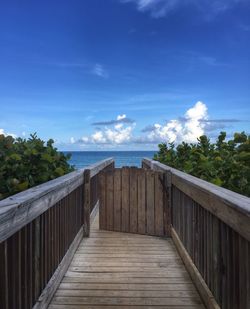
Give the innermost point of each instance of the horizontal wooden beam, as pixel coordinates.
(97, 167)
(20, 209)
(230, 207)
(196, 277)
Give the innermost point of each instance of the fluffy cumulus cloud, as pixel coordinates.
(120, 133)
(160, 8)
(194, 123)
(187, 128)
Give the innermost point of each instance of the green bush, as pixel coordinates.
(224, 163)
(27, 163)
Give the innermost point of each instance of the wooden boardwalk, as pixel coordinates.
(119, 270)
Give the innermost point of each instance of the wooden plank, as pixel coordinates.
(159, 199)
(142, 286)
(136, 301)
(110, 199)
(141, 201)
(117, 199)
(112, 292)
(47, 294)
(181, 275)
(150, 199)
(86, 207)
(68, 306)
(4, 275)
(200, 284)
(101, 165)
(232, 208)
(150, 281)
(20, 209)
(102, 209)
(133, 216)
(125, 200)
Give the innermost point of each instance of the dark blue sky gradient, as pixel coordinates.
(66, 64)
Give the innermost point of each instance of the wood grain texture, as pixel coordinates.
(20, 209)
(200, 284)
(232, 208)
(134, 201)
(109, 279)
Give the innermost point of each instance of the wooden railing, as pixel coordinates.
(40, 230)
(211, 229)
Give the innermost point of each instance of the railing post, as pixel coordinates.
(86, 207)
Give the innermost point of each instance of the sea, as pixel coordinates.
(81, 159)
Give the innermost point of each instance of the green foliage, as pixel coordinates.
(27, 163)
(224, 163)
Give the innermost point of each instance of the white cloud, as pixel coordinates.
(99, 70)
(120, 117)
(160, 8)
(2, 132)
(120, 133)
(188, 129)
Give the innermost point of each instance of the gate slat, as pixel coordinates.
(133, 200)
(150, 202)
(110, 200)
(102, 210)
(141, 202)
(159, 225)
(125, 199)
(117, 199)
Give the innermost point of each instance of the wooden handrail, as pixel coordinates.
(18, 210)
(40, 229)
(210, 227)
(232, 208)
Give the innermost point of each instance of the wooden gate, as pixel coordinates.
(134, 200)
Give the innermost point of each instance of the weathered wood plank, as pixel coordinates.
(112, 292)
(110, 199)
(133, 221)
(47, 294)
(136, 301)
(150, 189)
(101, 165)
(102, 209)
(141, 202)
(125, 200)
(232, 208)
(86, 206)
(159, 200)
(117, 199)
(20, 209)
(200, 284)
(68, 306)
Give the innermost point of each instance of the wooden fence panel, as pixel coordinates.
(29, 257)
(134, 201)
(220, 254)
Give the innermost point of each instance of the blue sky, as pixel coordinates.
(124, 74)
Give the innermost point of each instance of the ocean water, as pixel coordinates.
(82, 159)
